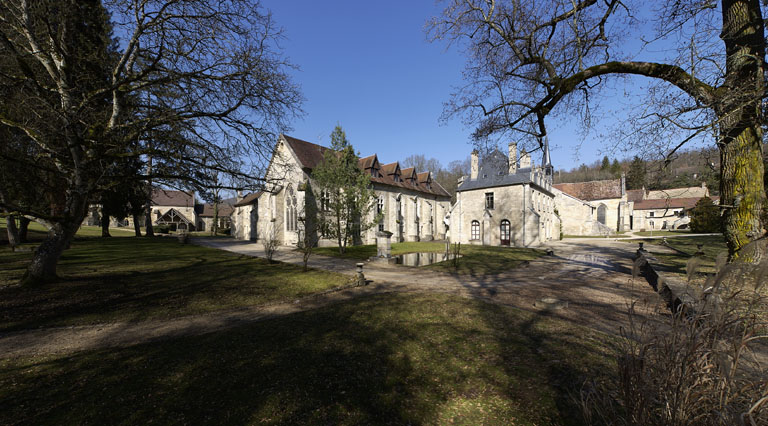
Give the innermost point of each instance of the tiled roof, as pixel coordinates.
(367, 162)
(172, 198)
(423, 177)
(635, 194)
(667, 203)
(224, 210)
(690, 192)
(310, 155)
(391, 168)
(594, 190)
(248, 199)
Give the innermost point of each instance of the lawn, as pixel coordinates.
(130, 279)
(37, 232)
(475, 259)
(388, 359)
(712, 246)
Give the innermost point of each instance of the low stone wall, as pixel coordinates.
(678, 295)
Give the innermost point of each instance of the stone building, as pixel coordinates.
(505, 201)
(411, 203)
(593, 208)
(224, 215)
(177, 209)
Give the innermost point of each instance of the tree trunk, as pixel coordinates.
(136, 225)
(740, 118)
(42, 269)
(105, 225)
(23, 228)
(148, 231)
(215, 224)
(13, 232)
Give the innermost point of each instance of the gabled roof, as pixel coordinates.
(425, 177)
(172, 198)
(308, 153)
(409, 173)
(224, 210)
(369, 162)
(593, 190)
(391, 168)
(248, 199)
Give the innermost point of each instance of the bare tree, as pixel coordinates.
(530, 59)
(187, 81)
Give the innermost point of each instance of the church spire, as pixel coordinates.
(547, 161)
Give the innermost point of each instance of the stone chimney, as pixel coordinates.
(474, 165)
(512, 158)
(525, 160)
(239, 195)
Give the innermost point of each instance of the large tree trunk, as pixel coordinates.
(42, 269)
(23, 228)
(105, 225)
(136, 225)
(13, 232)
(740, 120)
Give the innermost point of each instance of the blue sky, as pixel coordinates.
(369, 67)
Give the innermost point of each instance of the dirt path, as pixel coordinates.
(590, 279)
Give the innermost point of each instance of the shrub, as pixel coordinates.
(162, 229)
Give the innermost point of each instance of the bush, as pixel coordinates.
(162, 229)
(705, 217)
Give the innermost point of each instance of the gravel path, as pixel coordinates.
(589, 279)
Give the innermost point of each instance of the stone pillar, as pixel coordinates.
(384, 244)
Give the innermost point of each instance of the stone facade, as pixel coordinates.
(594, 207)
(412, 204)
(505, 202)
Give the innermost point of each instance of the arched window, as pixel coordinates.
(601, 213)
(475, 235)
(291, 215)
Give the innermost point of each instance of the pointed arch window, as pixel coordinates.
(291, 213)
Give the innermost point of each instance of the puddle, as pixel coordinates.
(421, 259)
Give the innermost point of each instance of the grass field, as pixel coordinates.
(389, 359)
(475, 260)
(128, 279)
(662, 233)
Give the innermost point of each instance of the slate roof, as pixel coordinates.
(224, 210)
(667, 203)
(310, 155)
(367, 162)
(494, 171)
(593, 190)
(248, 199)
(172, 198)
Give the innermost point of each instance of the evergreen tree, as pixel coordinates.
(705, 216)
(345, 193)
(636, 174)
(605, 165)
(616, 168)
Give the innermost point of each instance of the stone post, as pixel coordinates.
(360, 277)
(384, 244)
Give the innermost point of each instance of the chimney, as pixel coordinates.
(475, 165)
(525, 160)
(512, 158)
(239, 195)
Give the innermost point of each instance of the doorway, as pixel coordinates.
(505, 232)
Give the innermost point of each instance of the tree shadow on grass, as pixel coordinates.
(389, 359)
